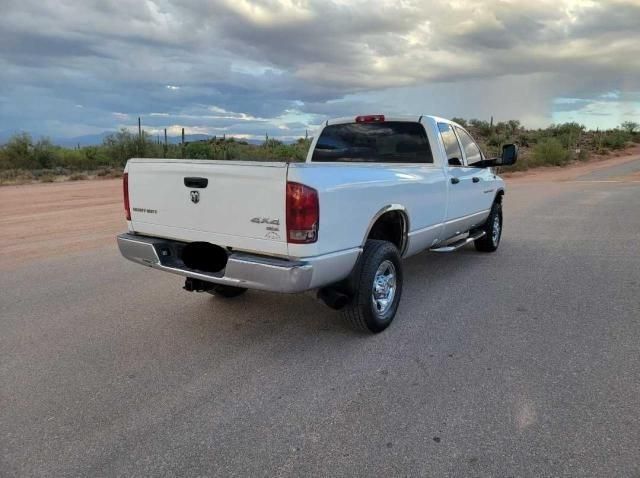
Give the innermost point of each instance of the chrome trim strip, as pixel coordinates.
(428, 228)
(425, 229)
(330, 254)
(467, 216)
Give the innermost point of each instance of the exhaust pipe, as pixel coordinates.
(332, 298)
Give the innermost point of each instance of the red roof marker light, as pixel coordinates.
(370, 119)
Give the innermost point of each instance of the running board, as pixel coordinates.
(458, 244)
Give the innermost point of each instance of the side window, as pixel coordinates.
(451, 145)
(471, 149)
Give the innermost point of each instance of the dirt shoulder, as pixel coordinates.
(53, 219)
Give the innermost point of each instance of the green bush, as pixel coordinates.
(479, 127)
(583, 155)
(199, 150)
(630, 126)
(615, 139)
(18, 153)
(550, 151)
(461, 121)
(496, 140)
(44, 153)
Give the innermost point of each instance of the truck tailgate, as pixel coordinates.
(242, 205)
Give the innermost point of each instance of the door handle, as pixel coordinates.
(476, 179)
(455, 180)
(196, 182)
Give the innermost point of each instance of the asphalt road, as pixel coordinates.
(525, 362)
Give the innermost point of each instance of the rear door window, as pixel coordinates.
(451, 145)
(471, 149)
(385, 142)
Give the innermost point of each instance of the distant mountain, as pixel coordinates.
(86, 140)
(97, 139)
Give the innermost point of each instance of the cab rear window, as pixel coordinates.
(385, 142)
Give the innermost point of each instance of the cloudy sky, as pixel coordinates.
(246, 67)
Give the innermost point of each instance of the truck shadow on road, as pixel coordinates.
(257, 315)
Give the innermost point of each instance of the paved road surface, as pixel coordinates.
(521, 363)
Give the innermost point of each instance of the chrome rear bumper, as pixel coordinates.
(242, 270)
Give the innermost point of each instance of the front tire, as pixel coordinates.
(493, 230)
(376, 287)
(226, 291)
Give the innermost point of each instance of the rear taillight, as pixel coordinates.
(370, 119)
(303, 214)
(125, 191)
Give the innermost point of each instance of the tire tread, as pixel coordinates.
(485, 243)
(354, 312)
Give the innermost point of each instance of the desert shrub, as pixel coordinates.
(13, 176)
(630, 127)
(17, 152)
(550, 151)
(73, 159)
(461, 121)
(47, 178)
(198, 150)
(583, 155)
(122, 146)
(97, 157)
(78, 176)
(496, 140)
(479, 127)
(615, 139)
(44, 153)
(7, 175)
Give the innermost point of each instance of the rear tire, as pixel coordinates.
(226, 291)
(493, 230)
(376, 287)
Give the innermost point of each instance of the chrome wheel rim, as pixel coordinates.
(495, 231)
(384, 287)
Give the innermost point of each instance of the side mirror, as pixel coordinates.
(509, 155)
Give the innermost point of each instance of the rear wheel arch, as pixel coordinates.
(390, 223)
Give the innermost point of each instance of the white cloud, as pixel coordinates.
(245, 63)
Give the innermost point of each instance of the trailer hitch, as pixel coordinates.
(197, 285)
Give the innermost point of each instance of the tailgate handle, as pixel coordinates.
(196, 182)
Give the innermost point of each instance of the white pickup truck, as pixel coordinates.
(373, 190)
